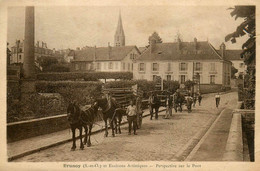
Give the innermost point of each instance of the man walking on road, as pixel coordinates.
(199, 98)
(131, 117)
(217, 97)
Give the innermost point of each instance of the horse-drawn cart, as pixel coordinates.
(123, 96)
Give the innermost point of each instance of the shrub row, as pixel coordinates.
(71, 90)
(90, 76)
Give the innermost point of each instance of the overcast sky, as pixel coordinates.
(71, 27)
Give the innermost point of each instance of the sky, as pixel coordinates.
(78, 26)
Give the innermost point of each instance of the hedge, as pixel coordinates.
(79, 91)
(90, 76)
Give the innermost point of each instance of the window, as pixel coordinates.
(212, 67)
(182, 79)
(155, 67)
(241, 65)
(20, 57)
(110, 65)
(212, 79)
(116, 67)
(20, 50)
(169, 77)
(91, 66)
(183, 66)
(76, 66)
(123, 66)
(141, 67)
(128, 66)
(169, 67)
(98, 66)
(132, 67)
(154, 78)
(197, 66)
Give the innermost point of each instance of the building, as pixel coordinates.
(182, 60)
(17, 52)
(119, 38)
(237, 61)
(105, 59)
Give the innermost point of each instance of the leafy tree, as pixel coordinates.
(233, 72)
(46, 61)
(171, 86)
(155, 36)
(247, 27)
(189, 84)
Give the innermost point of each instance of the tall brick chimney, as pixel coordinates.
(28, 64)
(223, 50)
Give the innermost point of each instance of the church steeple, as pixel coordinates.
(119, 35)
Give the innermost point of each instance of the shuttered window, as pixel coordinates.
(141, 67)
(183, 66)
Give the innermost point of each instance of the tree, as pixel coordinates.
(189, 84)
(171, 86)
(233, 72)
(247, 27)
(46, 62)
(155, 36)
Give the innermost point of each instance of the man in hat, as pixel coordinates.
(131, 112)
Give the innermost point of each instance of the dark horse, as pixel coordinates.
(178, 100)
(108, 113)
(79, 119)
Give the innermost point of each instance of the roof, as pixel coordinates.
(102, 53)
(142, 49)
(187, 51)
(232, 55)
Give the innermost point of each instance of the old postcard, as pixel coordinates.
(127, 85)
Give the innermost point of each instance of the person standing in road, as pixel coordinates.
(157, 103)
(199, 98)
(131, 117)
(217, 97)
(194, 99)
(168, 107)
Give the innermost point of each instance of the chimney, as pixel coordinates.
(195, 43)
(179, 43)
(223, 50)
(109, 50)
(94, 57)
(42, 44)
(152, 44)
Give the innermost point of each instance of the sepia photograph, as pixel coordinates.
(160, 86)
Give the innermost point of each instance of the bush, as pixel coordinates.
(89, 76)
(171, 86)
(71, 90)
(57, 68)
(189, 84)
(35, 106)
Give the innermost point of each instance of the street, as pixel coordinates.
(157, 140)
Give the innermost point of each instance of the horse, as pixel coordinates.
(178, 100)
(108, 112)
(79, 119)
(189, 101)
(154, 103)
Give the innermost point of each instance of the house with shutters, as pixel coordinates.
(104, 59)
(181, 61)
(118, 58)
(233, 55)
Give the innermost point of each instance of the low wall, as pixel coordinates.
(212, 88)
(234, 147)
(35, 127)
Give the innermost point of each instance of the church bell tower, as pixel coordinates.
(119, 35)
